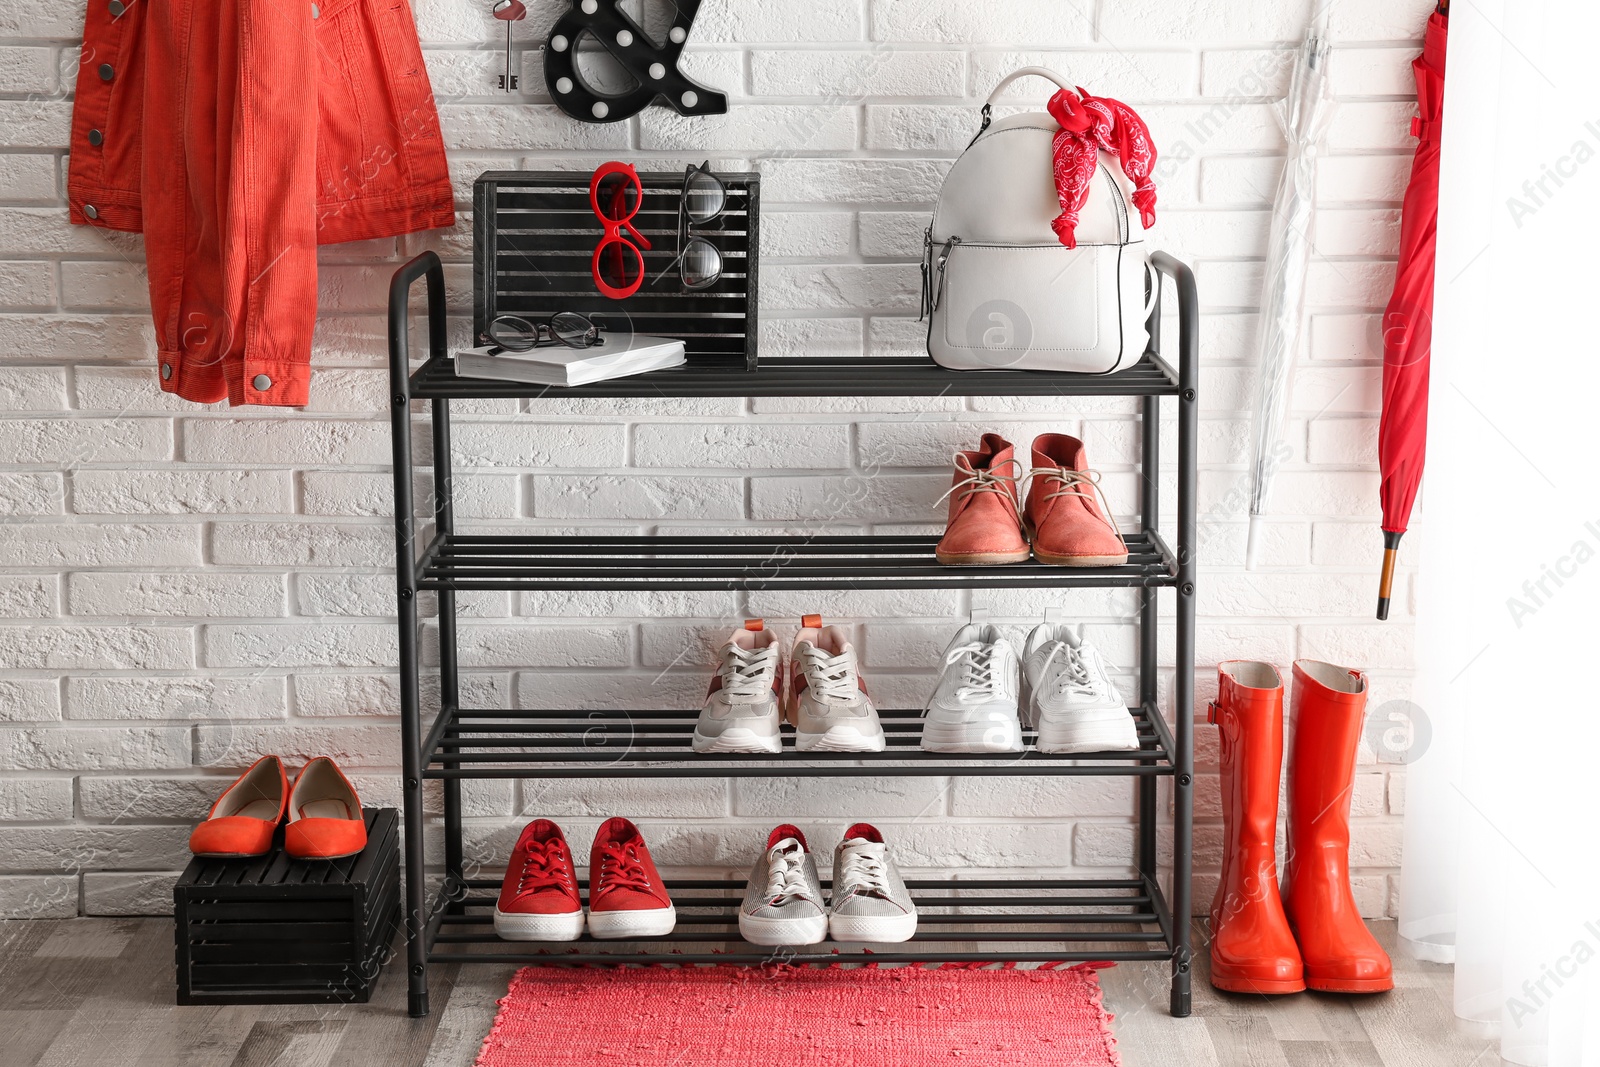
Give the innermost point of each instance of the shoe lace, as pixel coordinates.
(621, 868)
(1071, 482)
(544, 867)
(980, 674)
(743, 672)
(832, 679)
(987, 480)
(786, 872)
(864, 869)
(1074, 676)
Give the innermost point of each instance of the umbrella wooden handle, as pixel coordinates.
(1391, 549)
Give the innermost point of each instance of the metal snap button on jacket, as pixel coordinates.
(106, 72)
(96, 138)
(89, 210)
(262, 383)
(117, 8)
(166, 372)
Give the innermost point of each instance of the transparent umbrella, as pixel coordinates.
(1304, 113)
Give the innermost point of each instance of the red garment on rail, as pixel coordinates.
(237, 135)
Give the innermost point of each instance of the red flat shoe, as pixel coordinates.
(325, 819)
(246, 815)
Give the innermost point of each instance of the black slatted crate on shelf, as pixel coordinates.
(534, 236)
(277, 930)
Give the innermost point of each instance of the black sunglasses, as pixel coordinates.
(704, 198)
(514, 334)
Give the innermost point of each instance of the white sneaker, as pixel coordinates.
(827, 703)
(1070, 698)
(974, 704)
(783, 899)
(870, 901)
(741, 710)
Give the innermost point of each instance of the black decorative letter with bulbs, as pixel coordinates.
(654, 68)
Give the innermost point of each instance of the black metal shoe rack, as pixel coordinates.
(965, 920)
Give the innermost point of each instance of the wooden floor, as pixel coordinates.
(100, 992)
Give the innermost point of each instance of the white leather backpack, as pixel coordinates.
(1000, 290)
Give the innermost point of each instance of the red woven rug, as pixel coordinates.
(803, 1016)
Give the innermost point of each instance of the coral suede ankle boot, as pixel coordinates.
(1067, 518)
(1341, 954)
(985, 522)
(1252, 947)
(246, 816)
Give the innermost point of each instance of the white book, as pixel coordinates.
(560, 365)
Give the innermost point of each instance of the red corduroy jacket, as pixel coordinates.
(238, 135)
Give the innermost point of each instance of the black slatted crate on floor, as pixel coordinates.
(277, 930)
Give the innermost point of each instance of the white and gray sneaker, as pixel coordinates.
(1070, 698)
(783, 899)
(974, 704)
(741, 709)
(870, 901)
(828, 703)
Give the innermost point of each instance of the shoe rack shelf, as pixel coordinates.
(655, 744)
(1129, 918)
(813, 376)
(1025, 915)
(457, 561)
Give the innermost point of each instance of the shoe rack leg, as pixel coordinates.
(449, 683)
(1150, 518)
(1183, 683)
(405, 534)
(416, 877)
(410, 708)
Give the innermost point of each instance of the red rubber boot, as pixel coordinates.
(1340, 952)
(1252, 947)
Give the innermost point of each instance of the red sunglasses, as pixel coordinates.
(620, 274)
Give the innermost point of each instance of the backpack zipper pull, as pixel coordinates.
(925, 305)
(944, 257)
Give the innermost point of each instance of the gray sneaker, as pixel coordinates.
(870, 901)
(783, 900)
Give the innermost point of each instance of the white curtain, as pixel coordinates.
(1502, 853)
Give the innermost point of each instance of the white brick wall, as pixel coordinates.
(183, 587)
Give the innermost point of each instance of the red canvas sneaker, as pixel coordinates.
(626, 897)
(539, 897)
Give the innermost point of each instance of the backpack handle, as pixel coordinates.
(1020, 72)
(1023, 72)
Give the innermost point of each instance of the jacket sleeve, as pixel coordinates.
(229, 178)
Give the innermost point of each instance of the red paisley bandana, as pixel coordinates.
(1089, 124)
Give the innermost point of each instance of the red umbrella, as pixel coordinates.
(1408, 320)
